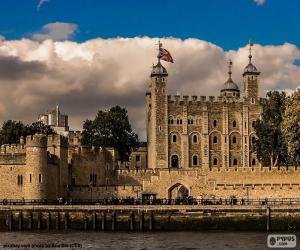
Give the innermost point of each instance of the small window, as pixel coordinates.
(107, 181)
(253, 124)
(177, 121)
(215, 139)
(40, 178)
(192, 121)
(195, 139)
(225, 139)
(137, 158)
(253, 162)
(234, 140)
(245, 125)
(174, 138)
(180, 121)
(195, 160)
(215, 161)
(159, 128)
(30, 178)
(215, 123)
(234, 124)
(234, 162)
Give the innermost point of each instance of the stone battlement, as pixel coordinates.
(12, 149)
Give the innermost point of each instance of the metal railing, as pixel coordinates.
(133, 201)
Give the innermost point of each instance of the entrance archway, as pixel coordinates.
(174, 161)
(178, 191)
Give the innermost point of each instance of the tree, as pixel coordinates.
(11, 132)
(39, 127)
(291, 126)
(270, 144)
(111, 129)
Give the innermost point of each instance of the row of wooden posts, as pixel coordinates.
(96, 224)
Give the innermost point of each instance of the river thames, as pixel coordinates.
(158, 240)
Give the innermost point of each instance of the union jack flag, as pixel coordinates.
(165, 55)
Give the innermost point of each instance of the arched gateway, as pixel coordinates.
(178, 191)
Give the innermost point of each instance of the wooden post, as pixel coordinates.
(66, 221)
(20, 220)
(142, 221)
(57, 221)
(151, 221)
(39, 221)
(268, 219)
(94, 221)
(85, 223)
(30, 227)
(132, 220)
(48, 221)
(103, 221)
(113, 221)
(10, 221)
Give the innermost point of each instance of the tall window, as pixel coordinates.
(234, 124)
(215, 139)
(174, 138)
(195, 160)
(234, 140)
(195, 139)
(234, 162)
(40, 178)
(215, 123)
(215, 161)
(20, 179)
(253, 162)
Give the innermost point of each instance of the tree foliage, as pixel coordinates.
(270, 144)
(11, 131)
(291, 126)
(111, 129)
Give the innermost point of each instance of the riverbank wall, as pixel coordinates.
(150, 218)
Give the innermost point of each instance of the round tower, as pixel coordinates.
(36, 186)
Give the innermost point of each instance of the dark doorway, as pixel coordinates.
(174, 161)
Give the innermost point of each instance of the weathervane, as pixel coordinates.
(229, 68)
(250, 50)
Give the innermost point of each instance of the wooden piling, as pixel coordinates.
(66, 221)
(94, 221)
(268, 219)
(103, 221)
(85, 223)
(142, 217)
(20, 221)
(10, 221)
(57, 221)
(113, 221)
(132, 220)
(30, 227)
(151, 221)
(48, 223)
(39, 222)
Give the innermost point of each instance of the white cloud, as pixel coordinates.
(56, 31)
(260, 2)
(100, 73)
(41, 3)
(2, 38)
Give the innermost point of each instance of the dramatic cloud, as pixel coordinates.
(100, 73)
(260, 2)
(41, 3)
(55, 31)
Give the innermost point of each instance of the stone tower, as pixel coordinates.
(251, 78)
(36, 186)
(157, 117)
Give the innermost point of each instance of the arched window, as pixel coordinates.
(174, 161)
(174, 138)
(252, 140)
(215, 139)
(215, 123)
(234, 124)
(253, 124)
(234, 140)
(180, 121)
(215, 161)
(195, 160)
(253, 163)
(177, 121)
(234, 162)
(195, 139)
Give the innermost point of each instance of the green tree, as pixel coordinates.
(270, 144)
(38, 127)
(291, 126)
(11, 132)
(111, 129)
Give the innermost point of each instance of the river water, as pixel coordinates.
(132, 241)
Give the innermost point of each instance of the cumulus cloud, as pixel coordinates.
(56, 31)
(100, 73)
(41, 3)
(2, 38)
(260, 2)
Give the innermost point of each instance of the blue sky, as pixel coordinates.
(227, 23)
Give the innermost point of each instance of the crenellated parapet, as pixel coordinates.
(57, 140)
(12, 149)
